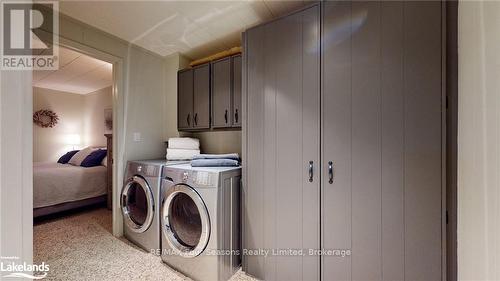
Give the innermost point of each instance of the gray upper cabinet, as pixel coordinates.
(209, 95)
(236, 112)
(226, 92)
(185, 99)
(376, 67)
(221, 93)
(201, 97)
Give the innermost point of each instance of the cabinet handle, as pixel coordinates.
(225, 116)
(330, 172)
(196, 119)
(236, 116)
(311, 172)
(188, 119)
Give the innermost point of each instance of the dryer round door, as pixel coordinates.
(185, 221)
(137, 204)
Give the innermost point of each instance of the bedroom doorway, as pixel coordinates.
(73, 113)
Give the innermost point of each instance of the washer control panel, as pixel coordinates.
(143, 169)
(205, 179)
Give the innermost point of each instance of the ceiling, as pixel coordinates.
(193, 28)
(77, 73)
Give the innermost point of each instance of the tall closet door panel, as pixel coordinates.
(254, 186)
(336, 134)
(283, 98)
(382, 131)
(311, 128)
(297, 143)
(365, 142)
(423, 177)
(270, 147)
(392, 139)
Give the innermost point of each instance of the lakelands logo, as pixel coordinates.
(10, 267)
(29, 39)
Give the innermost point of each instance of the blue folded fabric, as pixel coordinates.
(232, 156)
(215, 163)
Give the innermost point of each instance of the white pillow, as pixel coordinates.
(80, 156)
(105, 161)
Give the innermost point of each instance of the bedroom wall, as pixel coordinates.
(94, 105)
(80, 116)
(50, 143)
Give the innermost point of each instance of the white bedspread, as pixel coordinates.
(55, 183)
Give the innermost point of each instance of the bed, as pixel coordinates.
(59, 187)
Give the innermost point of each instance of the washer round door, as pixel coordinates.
(137, 204)
(185, 221)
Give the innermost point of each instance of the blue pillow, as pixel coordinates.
(94, 158)
(65, 158)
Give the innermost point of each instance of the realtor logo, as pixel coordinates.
(29, 36)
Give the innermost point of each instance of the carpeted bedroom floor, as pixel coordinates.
(80, 246)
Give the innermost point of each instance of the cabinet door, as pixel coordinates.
(381, 130)
(201, 97)
(236, 91)
(221, 93)
(185, 99)
(281, 194)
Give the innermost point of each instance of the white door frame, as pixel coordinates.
(118, 126)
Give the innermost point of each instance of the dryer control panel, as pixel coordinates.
(190, 177)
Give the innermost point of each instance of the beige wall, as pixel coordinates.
(218, 141)
(80, 116)
(94, 105)
(478, 140)
(144, 104)
(171, 66)
(50, 143)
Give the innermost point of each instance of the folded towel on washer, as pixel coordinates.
(183, 143)
(181, 154)
(232, 156)
(215, 163)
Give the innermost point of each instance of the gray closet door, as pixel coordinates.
(201, 97)
(221, 93)
(236, 60)
(281, 205)
(382, 131)
(185, 99)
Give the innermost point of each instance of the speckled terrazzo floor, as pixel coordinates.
(80, 246)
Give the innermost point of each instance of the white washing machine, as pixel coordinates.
(201, 221)
(140, 202)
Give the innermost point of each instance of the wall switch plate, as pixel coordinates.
(137, 137)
